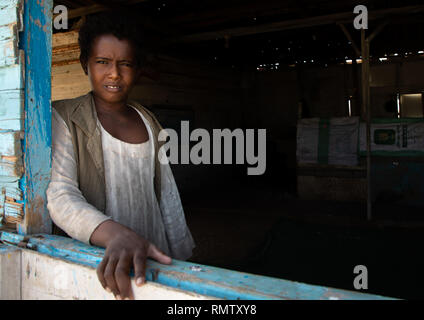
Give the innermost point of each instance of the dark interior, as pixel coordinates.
(251, 64)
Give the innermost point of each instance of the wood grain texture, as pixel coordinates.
(10, 143)
(45, 277)
(36, 41)
(11, 109)
(10, 268)
(11, 77)
(191, 278)
(10, 11)
(69, 81)
(8, 52)
(11, 204)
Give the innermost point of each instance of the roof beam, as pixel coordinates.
(75, 13)
(345, 17)
(349, 37)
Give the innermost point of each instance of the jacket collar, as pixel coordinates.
(84, 115)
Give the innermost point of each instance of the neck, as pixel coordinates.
(104, 107)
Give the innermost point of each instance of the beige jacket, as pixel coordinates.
(80, 116)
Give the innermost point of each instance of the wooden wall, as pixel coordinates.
(11, 111)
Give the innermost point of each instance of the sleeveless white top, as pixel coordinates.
(130, 193)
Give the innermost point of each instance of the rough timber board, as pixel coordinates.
(10, 277)
(194, 278)
(10, 169)
(11, 77)
(10, 144)
(10, 12)
(45, 277)
(36, 41)
(69, 81)
(64, 39)
(11, 109)
(8, 52)
(8, 32)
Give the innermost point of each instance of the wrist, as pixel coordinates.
(107, 232)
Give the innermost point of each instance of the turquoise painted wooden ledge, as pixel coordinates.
(201, 279)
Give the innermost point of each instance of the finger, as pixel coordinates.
(122, 276)
(100, 272)
(109, 275)
(159, 256)
(139, 269)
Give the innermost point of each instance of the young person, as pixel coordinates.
(108, 187)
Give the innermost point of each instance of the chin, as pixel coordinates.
(112, 97)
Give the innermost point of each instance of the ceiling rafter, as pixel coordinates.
(345, 17)
(94, 8)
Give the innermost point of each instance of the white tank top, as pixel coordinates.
(130, 193)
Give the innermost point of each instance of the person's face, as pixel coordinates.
(111, 68)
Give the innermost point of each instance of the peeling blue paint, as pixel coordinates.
(205, 280)
(36, 40)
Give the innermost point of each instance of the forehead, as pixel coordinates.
(108, 45)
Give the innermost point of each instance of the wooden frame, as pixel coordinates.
(33, 238)
(197, 281)
(37, 43)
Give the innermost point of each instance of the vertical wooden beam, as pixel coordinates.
(366, 112)
(37, 43)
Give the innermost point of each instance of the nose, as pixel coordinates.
(114, 71)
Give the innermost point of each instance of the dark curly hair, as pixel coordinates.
(122, 24)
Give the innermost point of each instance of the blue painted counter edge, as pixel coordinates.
(201, 279)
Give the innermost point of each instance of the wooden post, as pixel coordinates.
(37, 44)
(366, 103)
(366, 112)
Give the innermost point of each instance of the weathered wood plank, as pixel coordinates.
(10, 273)
(9, 11)
(11, 77)
(6, 180)
(12, 190)
(11, 110)
(11, 204)
(14, 169)
(200, 279)
(9, 32)
(9, 52)
(36, 41)
(69, 81)
(10, 143)
(64, 56)
(64, 39)
(45, 277)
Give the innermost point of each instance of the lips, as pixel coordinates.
(113, 88)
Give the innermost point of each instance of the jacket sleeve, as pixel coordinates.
(67, 206)
(179, 236)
